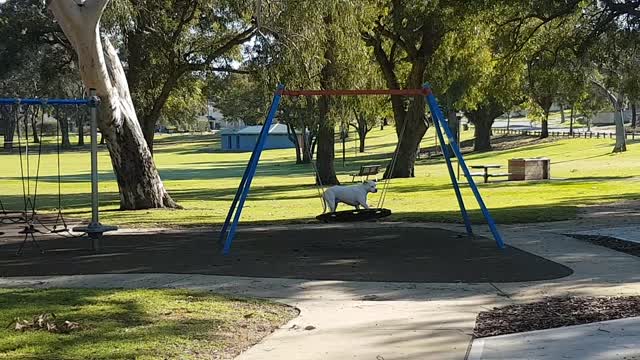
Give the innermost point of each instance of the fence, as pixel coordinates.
(575, 134)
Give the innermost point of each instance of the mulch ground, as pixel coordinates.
(554, 312)
(627, 247)
(389, 253)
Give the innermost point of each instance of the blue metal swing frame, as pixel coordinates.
(227, 234)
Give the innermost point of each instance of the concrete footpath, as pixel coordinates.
(615, 339)
(384, 321)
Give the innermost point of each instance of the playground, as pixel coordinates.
(203, 180)
(414, 252)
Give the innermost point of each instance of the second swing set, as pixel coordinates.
(229, 228)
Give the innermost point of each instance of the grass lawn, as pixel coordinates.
(140, 324)
(203, 179)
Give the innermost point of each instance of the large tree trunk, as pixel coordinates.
(544, 133)
(362, 128)
(409, 143)
(545, 103)
(415, 128)
(34, 115)
(454, 126)
(326, 132)
(482, 141)
(483, 118)
(621, 142)
(413, 123)
(139, 183)
(617, 100)
(326, 154)
(562, 119)
(150, 119)
(293, 137)
(634, 115)
(63, 123)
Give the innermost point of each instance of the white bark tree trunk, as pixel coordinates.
(139, 183)
(618, 104)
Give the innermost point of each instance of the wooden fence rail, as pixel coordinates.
(575, 134)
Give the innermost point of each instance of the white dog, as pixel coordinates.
(354, 195)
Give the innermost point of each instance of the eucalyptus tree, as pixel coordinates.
(239, 97)
(138, 180)
(597, 25)
(615, 58)
(186, 104)
(368, 112)
(499, 91)
(405, 38)
(317, 46)
(166, 42)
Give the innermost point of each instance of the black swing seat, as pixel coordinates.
(354, 215)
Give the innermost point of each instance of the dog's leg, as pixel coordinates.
(329, 201)
(363, 202)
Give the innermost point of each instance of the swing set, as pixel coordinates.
(32, 111)
(228, 232)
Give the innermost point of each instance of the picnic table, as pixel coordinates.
(485, 173)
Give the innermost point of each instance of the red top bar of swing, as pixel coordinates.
(404, 92)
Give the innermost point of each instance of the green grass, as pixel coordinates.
(140, 324)
(204, 180)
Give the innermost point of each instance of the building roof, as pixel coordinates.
(228, 131)
(276, 129)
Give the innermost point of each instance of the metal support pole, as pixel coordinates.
(456, 187)
(438, 116)
(458, 161)
(243, 189)
(95, 229)
(94, 161)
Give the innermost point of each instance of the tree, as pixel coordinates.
(138, 180)
(615, 60)
(301, 115)
(367, 113)
(185, 105)
(404, 39)
(239, 97)
(310, 45)
(34, 60)
(167, 40)
(544, 81)
(597, 21)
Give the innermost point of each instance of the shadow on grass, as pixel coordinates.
(77, 203)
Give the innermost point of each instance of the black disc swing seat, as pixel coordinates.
(354, 215)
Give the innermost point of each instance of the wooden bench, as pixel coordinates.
(366, 171)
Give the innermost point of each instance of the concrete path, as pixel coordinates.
(366, 320)
(615, 339)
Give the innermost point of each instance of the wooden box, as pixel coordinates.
(529, 169)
